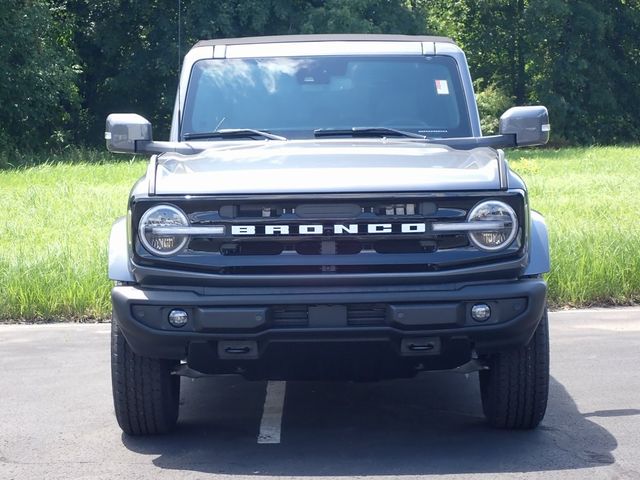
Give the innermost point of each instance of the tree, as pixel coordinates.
(580, 58)
(39, 100)
(586, 68)
(129, 48)
(68, 63)
(365, 16)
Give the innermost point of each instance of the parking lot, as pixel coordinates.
(57, 418)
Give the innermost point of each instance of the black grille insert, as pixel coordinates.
(338, 240)
(358, 315)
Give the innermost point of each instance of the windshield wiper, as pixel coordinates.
(232, 133)
(365, 132)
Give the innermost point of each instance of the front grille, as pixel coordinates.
(357, 315)
(329, 234)
(336, 247)
(368, 314)
(290, 316)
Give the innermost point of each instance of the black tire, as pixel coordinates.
(145, 394)
(516, 386)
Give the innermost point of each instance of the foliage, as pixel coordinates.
(130, 48)
(68, 63)
(580, 58)
(492, 102)
(38, 94)
(364, 16)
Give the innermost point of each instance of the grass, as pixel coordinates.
(55, 221)
(591, 201)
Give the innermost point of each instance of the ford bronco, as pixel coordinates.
(326, 207)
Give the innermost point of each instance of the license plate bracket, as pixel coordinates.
(327, 316)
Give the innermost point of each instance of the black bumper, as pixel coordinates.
(418, 327)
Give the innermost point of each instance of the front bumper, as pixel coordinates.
(413, 327)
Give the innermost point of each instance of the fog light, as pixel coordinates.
(178, 318)
(480, 312)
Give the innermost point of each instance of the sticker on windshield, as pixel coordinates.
(442, 87)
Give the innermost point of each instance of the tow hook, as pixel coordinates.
(420, 346)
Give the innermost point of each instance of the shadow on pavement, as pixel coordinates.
(429, 425)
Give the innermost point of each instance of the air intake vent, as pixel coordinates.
(358, 315)
(290, 316)
(366, 314)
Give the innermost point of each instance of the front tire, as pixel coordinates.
(145, 393)
(516, 386)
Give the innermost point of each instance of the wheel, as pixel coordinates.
(145, 394)
(515, 387)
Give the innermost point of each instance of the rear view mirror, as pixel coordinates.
(123, 130)
(530, 125)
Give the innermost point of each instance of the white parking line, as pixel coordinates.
(271, 423)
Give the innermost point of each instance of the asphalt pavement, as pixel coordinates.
(56, 417)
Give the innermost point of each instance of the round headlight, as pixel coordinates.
(155, 228)
(494, 238)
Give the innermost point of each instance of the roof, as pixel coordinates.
(323, 38)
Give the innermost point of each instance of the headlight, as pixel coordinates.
(497, 236)
(155, 230)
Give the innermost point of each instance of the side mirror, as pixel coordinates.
(123, 130)
(530, 125)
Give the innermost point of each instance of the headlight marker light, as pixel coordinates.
(494, 213)
(159, 230)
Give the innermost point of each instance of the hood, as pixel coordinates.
(327, 166)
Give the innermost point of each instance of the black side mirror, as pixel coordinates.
(530, 125)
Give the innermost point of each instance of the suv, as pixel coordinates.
(327, 208)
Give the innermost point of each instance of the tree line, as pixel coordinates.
(66, 64)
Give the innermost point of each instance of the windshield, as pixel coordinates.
(295, 96)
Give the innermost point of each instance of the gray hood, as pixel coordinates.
(322, 166)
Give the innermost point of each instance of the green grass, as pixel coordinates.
(55, 221)
(590, 198)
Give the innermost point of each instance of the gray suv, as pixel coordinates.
(327, 208)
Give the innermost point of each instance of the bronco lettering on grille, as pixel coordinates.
(336, 229)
